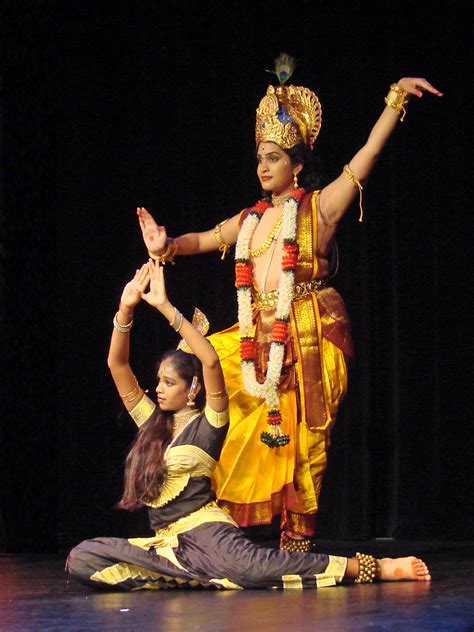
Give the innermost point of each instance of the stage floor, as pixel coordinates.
(35, 595)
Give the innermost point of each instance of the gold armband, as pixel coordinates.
(349, 174)
(168, 254)
(217, 395)
(224, 247)
(397, 99)
(142, 411)
(133, 394)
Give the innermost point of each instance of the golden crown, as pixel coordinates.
(288, 115)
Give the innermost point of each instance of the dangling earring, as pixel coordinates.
(295, 180)
(192, 393)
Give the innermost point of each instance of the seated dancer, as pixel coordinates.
(168, 470)
(285, 361)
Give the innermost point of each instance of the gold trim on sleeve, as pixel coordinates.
(218, 420)
(142, 411)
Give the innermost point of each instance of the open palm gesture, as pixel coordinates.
(154, 236)
(156, 296)
(133, 291)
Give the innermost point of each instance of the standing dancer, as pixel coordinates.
(293, 338)
(168, 470)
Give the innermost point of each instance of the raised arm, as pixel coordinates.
(201, 347)
(119, 351)
(157, 241)
(337, 196)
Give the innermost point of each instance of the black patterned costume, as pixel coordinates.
(196, 543)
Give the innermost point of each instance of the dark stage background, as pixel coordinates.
(107, 106)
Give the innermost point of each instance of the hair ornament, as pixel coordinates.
(201, 323)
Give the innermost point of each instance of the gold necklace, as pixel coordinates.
(278, 200)
(268, 241)
(179, 418)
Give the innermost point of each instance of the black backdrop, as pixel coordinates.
(106, 106)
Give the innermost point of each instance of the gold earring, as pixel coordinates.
(295, 181)
(192, 393)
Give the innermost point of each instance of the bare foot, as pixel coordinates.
(403, 568)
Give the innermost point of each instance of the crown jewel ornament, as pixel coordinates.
(288, 115)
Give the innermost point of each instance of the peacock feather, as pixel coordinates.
(284, 67)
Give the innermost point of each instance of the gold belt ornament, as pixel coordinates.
(263, 301)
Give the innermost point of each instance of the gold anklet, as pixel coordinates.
(367, 569)
(287, 543)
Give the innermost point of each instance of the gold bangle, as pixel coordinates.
(218, 395)
(367, 569)
(350, 174)
(224, 247)
(128, 394)
(168, 254)
(397, 99)
(134, 392)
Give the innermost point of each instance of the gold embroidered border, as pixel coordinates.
(306, 325)
(217, 420)
(119, 573)
(292, 582)
(167, 536)
(307, 237)
(183, 462)
(337, 567)
(142, 411)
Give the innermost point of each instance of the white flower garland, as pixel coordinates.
(269, 389)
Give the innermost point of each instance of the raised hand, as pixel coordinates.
(133, 291)
(156, 296)
(154, 236)
(418, 85)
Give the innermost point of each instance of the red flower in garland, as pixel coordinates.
(247, 349)
(274, 417)
(243, 274)
(274, 436)
(261, 206)
(280, 331)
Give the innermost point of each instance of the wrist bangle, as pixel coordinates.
(122, 328)
(168, 253)
(177, 320)
(397, 99)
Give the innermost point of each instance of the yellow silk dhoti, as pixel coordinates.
(256, 483)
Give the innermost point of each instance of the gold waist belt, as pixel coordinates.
(263, 301)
